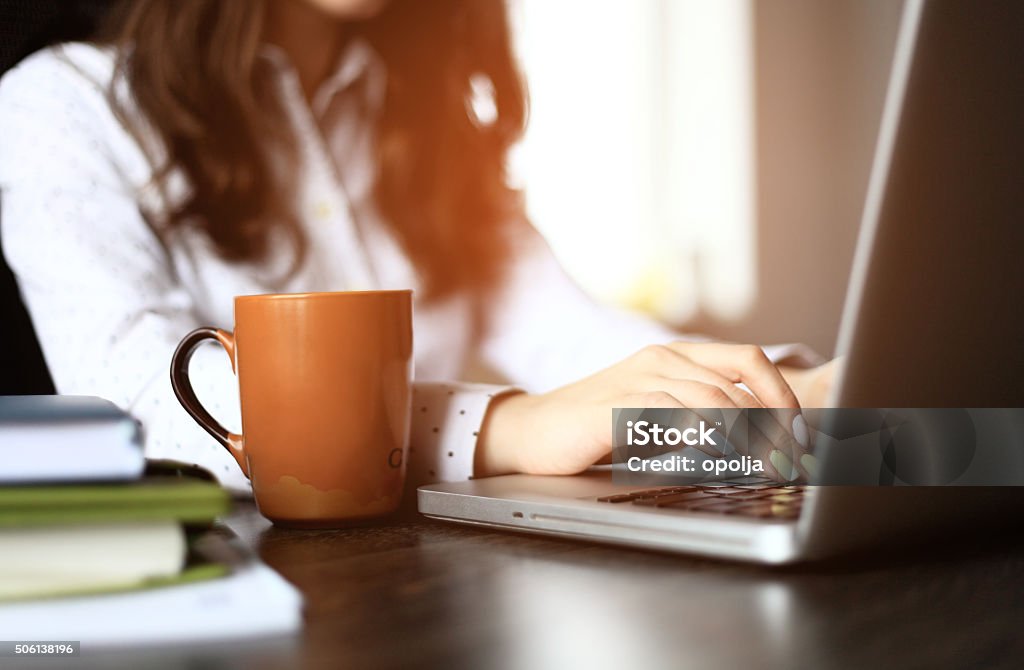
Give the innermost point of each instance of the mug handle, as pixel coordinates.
(182, 386)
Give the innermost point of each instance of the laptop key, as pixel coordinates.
(710, 506)
(749, 495)
(768, 509)
(665, 490)
(645, 493)
(624, 497)
(687, 496)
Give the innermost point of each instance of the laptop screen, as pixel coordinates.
(934, 314)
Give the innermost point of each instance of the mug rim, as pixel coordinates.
(320, 294)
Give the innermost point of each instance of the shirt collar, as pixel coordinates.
(359, 68)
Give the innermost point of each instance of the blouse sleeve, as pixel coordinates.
(96, 280)
(446, 419)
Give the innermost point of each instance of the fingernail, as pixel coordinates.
(800, 432)
(810, 464)
(782, 465)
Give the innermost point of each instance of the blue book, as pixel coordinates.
(67, 438)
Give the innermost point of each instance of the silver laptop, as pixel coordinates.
(933, 318)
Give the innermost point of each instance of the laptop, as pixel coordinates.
(933, 318)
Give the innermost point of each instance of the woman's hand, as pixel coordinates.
(568, 429)
(812, 385)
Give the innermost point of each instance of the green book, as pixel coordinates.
(148, 499)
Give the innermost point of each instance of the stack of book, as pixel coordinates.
(94, 550)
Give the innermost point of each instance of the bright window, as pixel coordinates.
(639, 161)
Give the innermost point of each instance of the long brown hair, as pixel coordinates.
(193, 71)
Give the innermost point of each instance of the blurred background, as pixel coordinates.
(706, 161)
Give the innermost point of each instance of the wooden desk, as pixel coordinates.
(418, 593)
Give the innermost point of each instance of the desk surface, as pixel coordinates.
(414, 592)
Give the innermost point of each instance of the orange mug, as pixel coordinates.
(325, 383)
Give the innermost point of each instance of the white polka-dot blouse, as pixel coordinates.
(109, 300)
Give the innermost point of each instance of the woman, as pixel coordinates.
(202, 149)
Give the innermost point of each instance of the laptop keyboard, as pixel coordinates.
(777, 503)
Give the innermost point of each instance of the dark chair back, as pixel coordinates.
(25, 26)
(22, 368)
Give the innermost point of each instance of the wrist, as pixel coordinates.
(497, 446)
